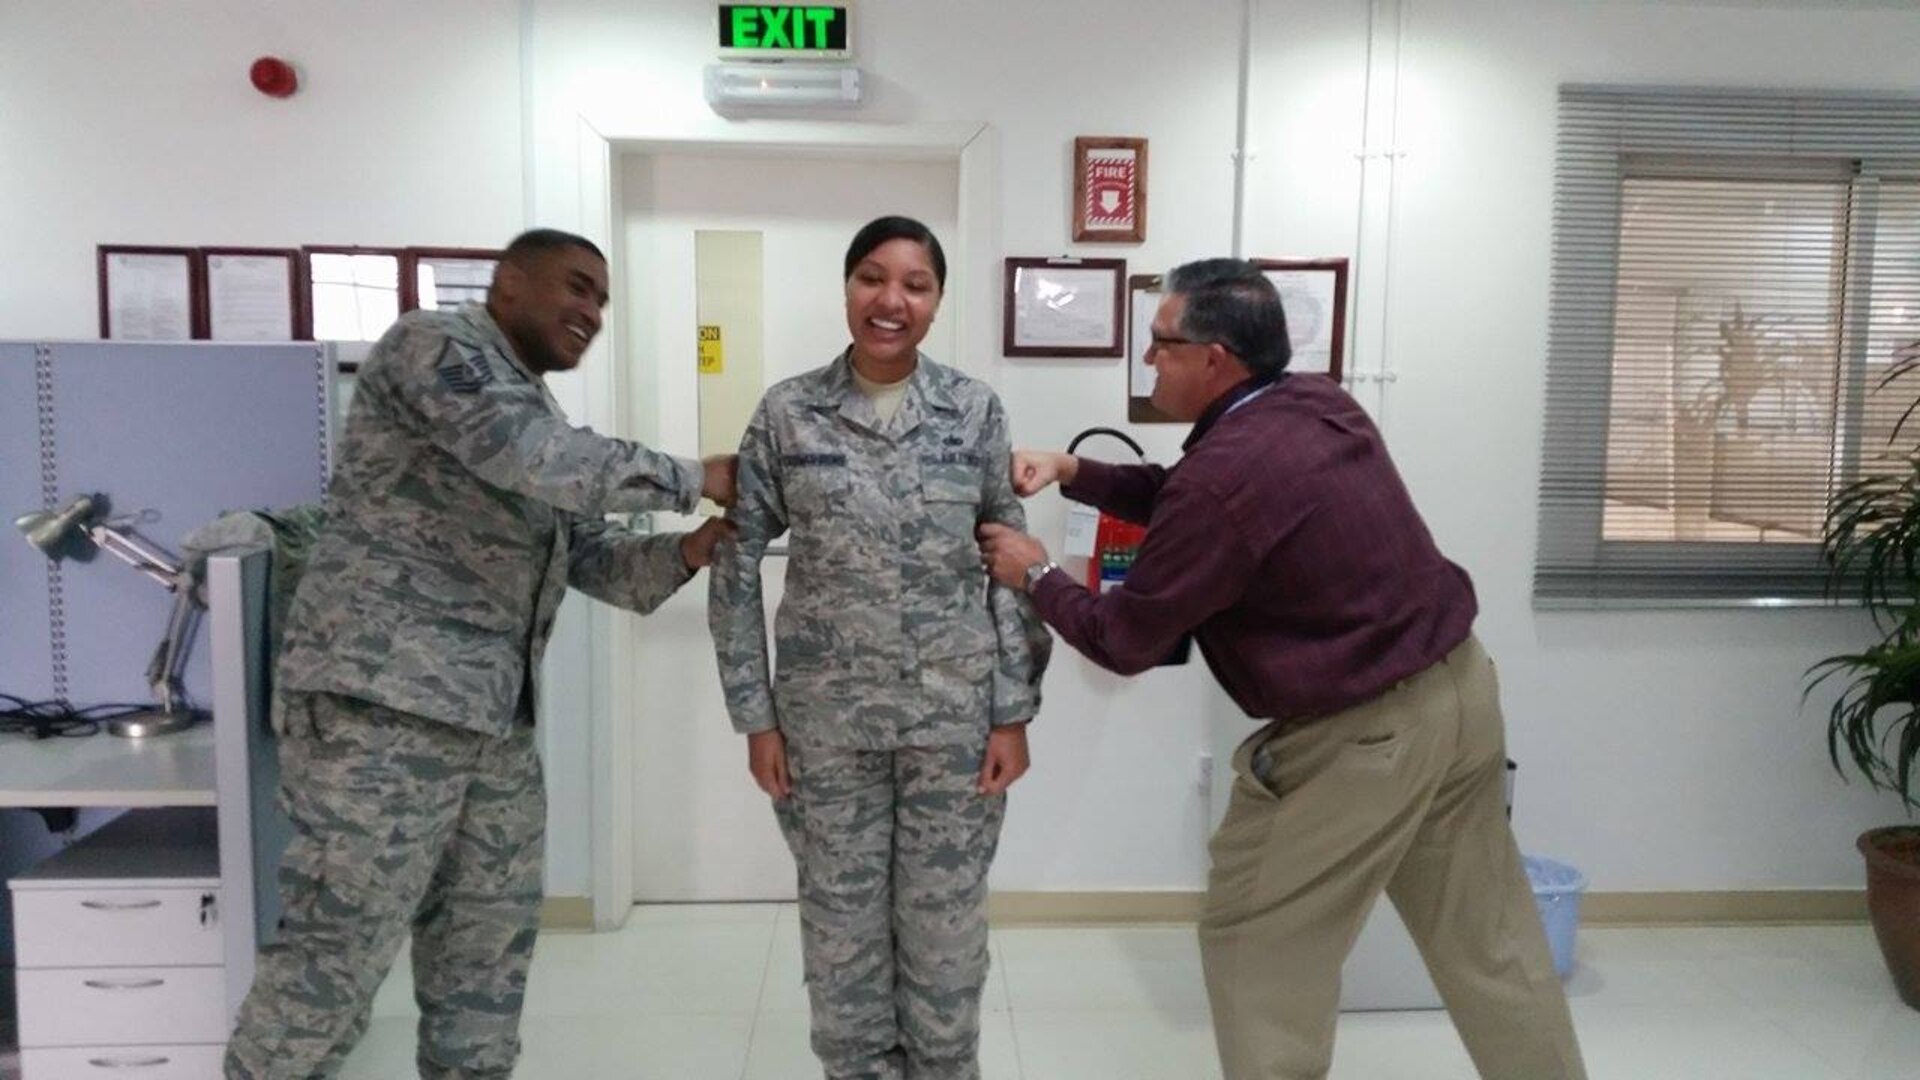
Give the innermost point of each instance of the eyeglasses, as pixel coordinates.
(1159, 344)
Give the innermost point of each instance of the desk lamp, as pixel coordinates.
(64, 533)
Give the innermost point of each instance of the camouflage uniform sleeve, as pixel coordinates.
(501, 427)
(735, 613)
(614, 564)
(1025, 645)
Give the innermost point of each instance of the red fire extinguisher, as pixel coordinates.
(1116, 543)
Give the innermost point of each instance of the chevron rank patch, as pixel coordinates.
(462, 369)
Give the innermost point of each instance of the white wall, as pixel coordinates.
(1659, 750)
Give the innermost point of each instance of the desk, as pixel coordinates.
(227, 764)
(107, 770)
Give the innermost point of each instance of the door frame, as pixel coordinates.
(974, 280)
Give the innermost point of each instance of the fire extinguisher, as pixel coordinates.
(1114, 543)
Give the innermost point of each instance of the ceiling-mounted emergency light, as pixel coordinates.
(781, 85)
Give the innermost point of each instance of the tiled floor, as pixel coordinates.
(713, 993)
(700, 992)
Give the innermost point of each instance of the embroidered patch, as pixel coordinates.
(954, 457)
(462, 369)
(813, 459)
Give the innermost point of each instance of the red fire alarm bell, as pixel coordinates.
(273, 77)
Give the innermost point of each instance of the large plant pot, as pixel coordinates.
(1893, 900)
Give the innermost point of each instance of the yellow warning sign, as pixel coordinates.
(712, 359)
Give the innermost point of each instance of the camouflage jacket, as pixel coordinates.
(462, 505)
(890, 633)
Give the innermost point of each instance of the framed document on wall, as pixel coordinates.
(1143, 301)
(253, 294)
(1313, 292)
(149, 293)
(1064, 307)
(435, 278)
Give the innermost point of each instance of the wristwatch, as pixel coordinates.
(1038, 571)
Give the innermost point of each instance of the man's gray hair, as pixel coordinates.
(1230, 302)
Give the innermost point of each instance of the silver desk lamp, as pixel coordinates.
(58, 534)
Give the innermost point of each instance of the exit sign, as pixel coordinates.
(775, 30)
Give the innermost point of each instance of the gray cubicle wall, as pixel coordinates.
(182, 432)
(28, 663)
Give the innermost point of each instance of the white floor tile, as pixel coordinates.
(1399, 1046)
(651, 966)
(712, 992)
(1727, 1041)
(1144, 969)
(1113, 1045)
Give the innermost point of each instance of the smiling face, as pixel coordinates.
(1182, 372)
(892, 296)
(550, 306)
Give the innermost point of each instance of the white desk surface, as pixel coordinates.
(107, 770)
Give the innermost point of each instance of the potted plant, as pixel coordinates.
(1871, 541)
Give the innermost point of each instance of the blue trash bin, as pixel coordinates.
(1556, 892)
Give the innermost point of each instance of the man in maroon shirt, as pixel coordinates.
(1286, 544)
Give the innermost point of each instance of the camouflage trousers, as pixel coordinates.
(400, 823)
(892, 848)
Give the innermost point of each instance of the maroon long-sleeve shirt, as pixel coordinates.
(1286, 543)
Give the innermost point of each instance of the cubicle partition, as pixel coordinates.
(173, 435)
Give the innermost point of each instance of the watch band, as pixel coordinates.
(1038, 571)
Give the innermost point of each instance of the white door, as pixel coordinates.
(701, 829)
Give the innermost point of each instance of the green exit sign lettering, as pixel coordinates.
(783, 29)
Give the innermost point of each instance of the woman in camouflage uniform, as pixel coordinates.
(896, 720)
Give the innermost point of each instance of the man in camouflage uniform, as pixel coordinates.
(896, 657)
(462, 507)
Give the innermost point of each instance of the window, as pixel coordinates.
(1734, 275)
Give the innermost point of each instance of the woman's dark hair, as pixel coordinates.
(880, 230)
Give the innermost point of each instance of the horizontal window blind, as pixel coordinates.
(1735, 274)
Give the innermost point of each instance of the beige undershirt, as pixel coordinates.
(886, 397)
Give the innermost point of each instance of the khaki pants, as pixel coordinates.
(1403, 794)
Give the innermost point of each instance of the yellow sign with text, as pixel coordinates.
(712, 358)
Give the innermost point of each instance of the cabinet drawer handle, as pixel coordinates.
(128, 1063)
(119, 905)
(125, 984)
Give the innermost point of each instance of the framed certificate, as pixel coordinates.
(149, 293)
(253, 294)
(1064, 307)
(1313, 292)
(1143, 301)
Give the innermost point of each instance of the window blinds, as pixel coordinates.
(1734, 274)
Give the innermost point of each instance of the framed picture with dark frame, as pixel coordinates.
(1143, 301)
(254, 294)
(1109, 190)
(440, 277)
(150, 293)
(1313, 292)
(1064, 307)
(353, 295)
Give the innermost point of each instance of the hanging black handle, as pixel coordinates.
(1116, 433)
